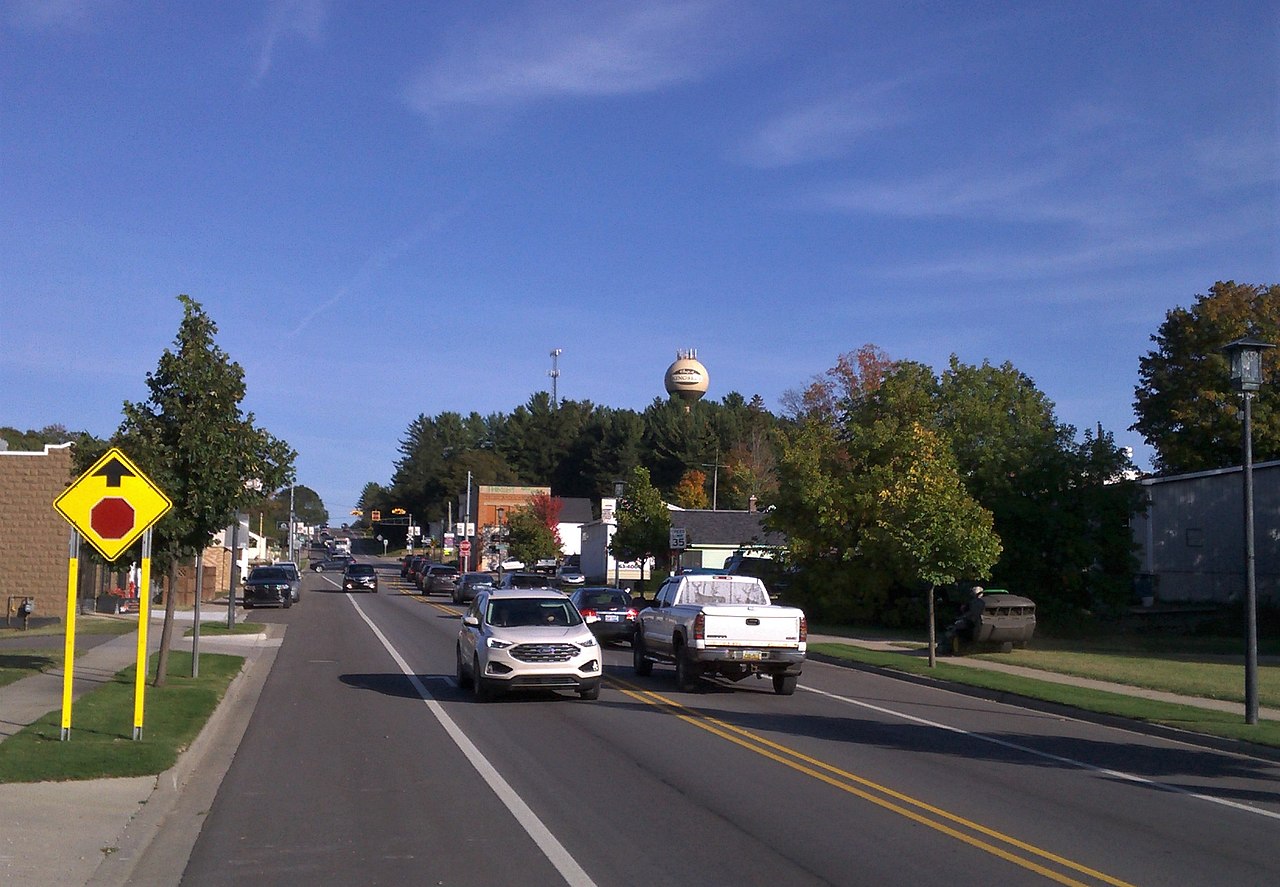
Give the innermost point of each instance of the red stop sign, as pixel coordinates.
(465, 546)
(112, 518)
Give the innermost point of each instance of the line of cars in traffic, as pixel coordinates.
(521, 632)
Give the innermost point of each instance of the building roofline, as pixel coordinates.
(47, 449)
(1212, 472)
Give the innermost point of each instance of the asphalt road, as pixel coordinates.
(365, 764)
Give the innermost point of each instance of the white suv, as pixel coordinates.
(527, 639)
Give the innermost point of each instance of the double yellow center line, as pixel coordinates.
(974, 834)
(1020, 853)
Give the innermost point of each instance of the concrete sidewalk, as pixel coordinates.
(921, 651)
(96, 831)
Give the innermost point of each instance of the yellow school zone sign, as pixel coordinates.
(112, 504)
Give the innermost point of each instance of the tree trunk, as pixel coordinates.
(933, 631)
(166, 633)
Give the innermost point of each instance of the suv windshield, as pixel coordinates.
(360, 569)
(269, 573)
(525, 580)
(516, 612)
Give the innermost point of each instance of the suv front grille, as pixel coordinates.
(544, 652)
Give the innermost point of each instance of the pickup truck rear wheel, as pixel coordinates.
(784, 684)
(686, 671)
(642, 666)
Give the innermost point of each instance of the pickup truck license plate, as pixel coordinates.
(752, 654)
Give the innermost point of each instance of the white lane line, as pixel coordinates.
(555, 852)
(1004, 743)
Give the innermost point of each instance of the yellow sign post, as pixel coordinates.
(110, 505)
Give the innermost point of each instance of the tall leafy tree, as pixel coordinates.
(529, 538)
(676, 440)
(308, 507)
(1054, 500)
(1186, 409)
(691, 491)
(192, 439)
(927, 524)
(606, 449)
(33, 440)
(547, 508)
(1046, 493)
(644, 523)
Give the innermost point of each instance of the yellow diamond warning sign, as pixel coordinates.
(112, 504)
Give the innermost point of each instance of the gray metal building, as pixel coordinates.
(1190, 541)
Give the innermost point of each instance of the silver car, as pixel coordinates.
(295, 578)
(527, 639)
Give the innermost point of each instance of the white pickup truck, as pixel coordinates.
(722, 625)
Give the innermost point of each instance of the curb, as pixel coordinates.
(157, 842)
(1217, 743)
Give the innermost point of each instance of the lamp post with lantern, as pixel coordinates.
(1246, 377)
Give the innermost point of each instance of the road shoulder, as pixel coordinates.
(157, 842)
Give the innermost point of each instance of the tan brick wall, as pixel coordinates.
(34, 542)
(33, 536)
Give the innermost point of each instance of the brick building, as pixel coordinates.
(33, 536)
(34, 542)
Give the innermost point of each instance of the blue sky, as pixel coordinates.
(395, 208)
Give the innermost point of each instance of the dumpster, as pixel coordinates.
(993, 618)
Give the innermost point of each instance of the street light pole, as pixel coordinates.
(1246, 376)
(619, 487)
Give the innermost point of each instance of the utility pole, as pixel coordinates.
(554, 373)
(715, 478)
(466, 528)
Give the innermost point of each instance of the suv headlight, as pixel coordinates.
(588, 643)
(498, 643)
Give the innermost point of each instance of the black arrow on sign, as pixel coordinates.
(113, 471)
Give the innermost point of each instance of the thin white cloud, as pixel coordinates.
(287, 18)
(821, 130)
(50, 15)
(1010, 193)
(589, 50)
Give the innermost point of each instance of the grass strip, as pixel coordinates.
(1187, 674)
(18, 661)
(18, 664)
(1183, 717)
(216, 629)
(102, 744)
(84, 625)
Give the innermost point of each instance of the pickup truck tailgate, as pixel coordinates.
(752, 626)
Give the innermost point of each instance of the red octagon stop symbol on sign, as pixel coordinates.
(112, 518)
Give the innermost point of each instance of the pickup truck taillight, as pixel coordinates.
(804, 629)
(700, 627)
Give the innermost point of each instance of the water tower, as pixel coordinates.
(686, 378)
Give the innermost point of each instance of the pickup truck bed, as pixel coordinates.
(723, 626)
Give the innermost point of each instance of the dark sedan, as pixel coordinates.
(469, 585)
(609, 613)
(333, 562)
(440, 579)
(360, 577)
(267, 586)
